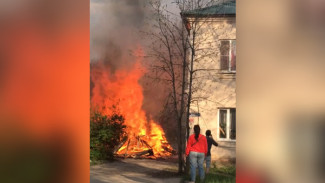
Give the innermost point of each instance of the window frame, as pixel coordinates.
(228, 125)
(229, 57)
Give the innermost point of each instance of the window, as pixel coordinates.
(228, 55)
(223, 123)
(227, 124)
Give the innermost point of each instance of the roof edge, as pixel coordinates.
(207, 16)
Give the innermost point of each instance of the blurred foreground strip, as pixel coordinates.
(44, 91)
(281, 89)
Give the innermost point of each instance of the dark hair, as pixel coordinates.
(197, 132)
(208, 133)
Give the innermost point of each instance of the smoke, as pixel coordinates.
(114, 31)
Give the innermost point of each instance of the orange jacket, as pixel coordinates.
(200, 146)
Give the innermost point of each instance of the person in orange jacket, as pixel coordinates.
(196, 149)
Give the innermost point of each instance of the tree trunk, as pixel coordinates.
(190, 96)
(180, 117)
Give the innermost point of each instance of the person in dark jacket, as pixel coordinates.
(210, 141)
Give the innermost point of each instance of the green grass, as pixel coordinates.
(227, 170)
(97, 162)
(214, 178)
(217, 175)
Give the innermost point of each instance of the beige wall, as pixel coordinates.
(213, 89)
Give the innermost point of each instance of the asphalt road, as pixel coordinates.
(134, 171)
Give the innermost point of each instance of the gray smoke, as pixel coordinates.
(115, 27)
(114, 30)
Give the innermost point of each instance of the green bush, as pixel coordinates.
(106, 133)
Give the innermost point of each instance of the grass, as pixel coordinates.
(214, 178)
(217, 175)
(227, 170)
(97, 162)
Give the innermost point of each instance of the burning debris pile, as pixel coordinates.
(146, 139)
(146, 146)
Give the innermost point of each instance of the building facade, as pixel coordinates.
(212, 41)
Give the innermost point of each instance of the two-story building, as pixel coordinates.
(212, 35)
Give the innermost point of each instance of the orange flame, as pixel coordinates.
(122, 88)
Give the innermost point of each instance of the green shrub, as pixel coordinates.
(106, 132)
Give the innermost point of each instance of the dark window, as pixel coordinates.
(233, 55)
(227, 123)
(223, 123)
(228, 55)
(233, 124)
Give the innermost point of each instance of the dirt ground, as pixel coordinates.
(134, 171)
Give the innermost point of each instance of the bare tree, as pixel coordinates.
(169, 50)
(180, 49)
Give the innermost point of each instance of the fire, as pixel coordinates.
(145, 137)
